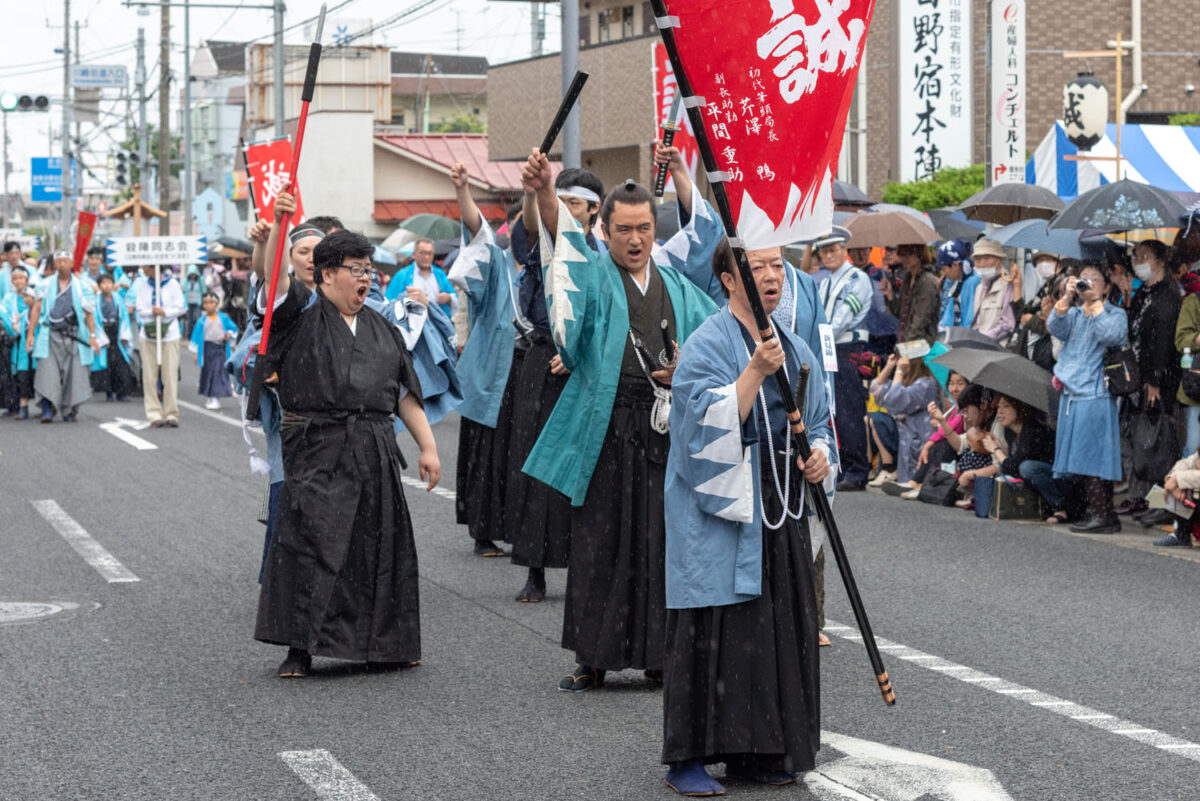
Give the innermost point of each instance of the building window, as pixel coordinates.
(609, 18)
(648, 23)
(627, 22)
(585, 30)
(398, 119)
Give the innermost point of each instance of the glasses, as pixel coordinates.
(359, 272)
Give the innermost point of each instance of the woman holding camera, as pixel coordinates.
(1088, 440)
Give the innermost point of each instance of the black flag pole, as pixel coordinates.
(795, 419)
(564, 108)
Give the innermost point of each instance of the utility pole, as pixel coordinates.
(5, 113)
(422, 109)
(164, 116)
(187, 118)
(139, 77)
(65, 222)
(277, 57)
(570, 63)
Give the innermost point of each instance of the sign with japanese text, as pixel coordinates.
(46, 179)
(665, 89)
(268, 167)
(99, 76)
(934, 86)
(777, 78)
(147, 251)
(1007, 113)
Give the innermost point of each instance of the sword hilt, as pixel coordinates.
(660, 178)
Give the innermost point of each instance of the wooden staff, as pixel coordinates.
(795, 420)
(310, 82)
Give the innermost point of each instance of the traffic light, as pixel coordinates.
(123, 163)
(11, 101)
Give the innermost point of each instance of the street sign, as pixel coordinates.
(47, 179)
(146, 251)
(99, 76)
(29, 244)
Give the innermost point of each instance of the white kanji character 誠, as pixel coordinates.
(808, 49)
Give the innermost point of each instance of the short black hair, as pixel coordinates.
(104, 277)
(513, 211)
(97, 251)
(323, 223)
(11, 245)
(971, 396)
(577, 176)
(332, 251)
(1157, 248)
(1100, 267)
(629, 192)
(210, 296)
(723, 261)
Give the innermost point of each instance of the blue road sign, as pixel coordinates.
(47, 179)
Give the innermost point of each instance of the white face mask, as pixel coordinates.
(1144, 271)
(1046, 269)
(986, 273)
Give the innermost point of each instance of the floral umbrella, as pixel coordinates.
(1121, 206)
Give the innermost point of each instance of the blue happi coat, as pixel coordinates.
(81, 299)
(13, 307)
(589, 321)
(196, 345)
(713, 491)
(404, 278)
(429, 336)
(124, 335)
(487, 275)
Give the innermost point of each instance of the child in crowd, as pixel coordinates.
(210, 342)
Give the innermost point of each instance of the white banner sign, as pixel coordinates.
(1007, 114)
(146, 251)
(934, 85)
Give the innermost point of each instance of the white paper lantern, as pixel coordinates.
(1085, 110)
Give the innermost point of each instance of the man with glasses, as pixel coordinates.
(341, 574)
(424, 282)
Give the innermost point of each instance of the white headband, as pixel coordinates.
(581, 192)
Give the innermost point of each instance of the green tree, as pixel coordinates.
(460, 123)
(948, 187)
(1184, 119)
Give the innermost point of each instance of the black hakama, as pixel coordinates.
(537, 517)
(117, 377)
(615, 615)
(341, 576)
(214, 379)
(482, 474)
(744, 680)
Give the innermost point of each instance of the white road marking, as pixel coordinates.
(77, 537)
(409, 480)
(118, 429)
(873, 771)
(1035, 698)
(327, 777)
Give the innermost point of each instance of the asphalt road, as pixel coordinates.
(1061, 664)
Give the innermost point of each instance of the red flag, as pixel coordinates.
(777, 77)
(665, 89)
(83, 237)
(268, 165)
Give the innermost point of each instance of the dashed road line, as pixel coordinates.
(327, 777)
(1035, 698)
(77, 537)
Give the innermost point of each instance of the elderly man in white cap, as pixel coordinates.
(993, 297)
(846, 299)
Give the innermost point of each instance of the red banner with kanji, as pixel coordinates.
(777, 78)
(268, 166)
(665, 89)
(83, 237)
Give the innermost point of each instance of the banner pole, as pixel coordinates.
(796, 422)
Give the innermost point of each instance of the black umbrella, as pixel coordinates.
(1121, 206)
(948, 224)
(961, 337)
(845, 194)
(1005, 373)
(1005, 204)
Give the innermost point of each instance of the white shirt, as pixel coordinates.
(428, 284)
(170, 299)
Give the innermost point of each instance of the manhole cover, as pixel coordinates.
(31, 611)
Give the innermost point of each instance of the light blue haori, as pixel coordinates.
(713, 489)
(429, 336)
(1088, 439)
(487, 275)
(82, 301)
(589, 321)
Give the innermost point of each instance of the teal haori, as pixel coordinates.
(1088, 438)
